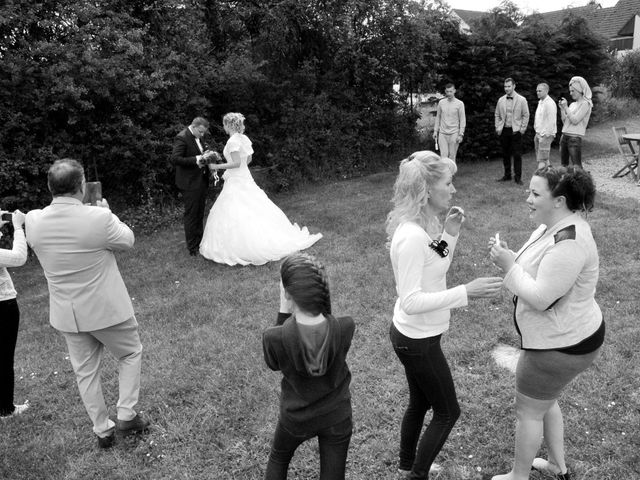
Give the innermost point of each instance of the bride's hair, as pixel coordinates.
(410, 193)
(306, 282)
(233, 122)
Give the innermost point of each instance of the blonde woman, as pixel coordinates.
(575, 118)
(421, 252)
(245, 227)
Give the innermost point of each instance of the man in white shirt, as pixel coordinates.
(545, 125)
(451, 121)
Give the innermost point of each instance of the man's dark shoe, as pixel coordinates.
(504, 179)
(193, 253)
(106, 442)
(130, 427)
(519, 182)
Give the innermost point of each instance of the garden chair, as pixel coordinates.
(629, 155)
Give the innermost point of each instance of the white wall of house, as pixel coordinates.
(636, 33)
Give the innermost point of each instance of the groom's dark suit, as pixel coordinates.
(193, 181)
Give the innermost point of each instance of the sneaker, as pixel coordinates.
(18, 410)
(106, 442)
(129, 427)
(435, 468)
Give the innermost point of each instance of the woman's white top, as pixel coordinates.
(241, 144)
(11, 258)
(424, 301)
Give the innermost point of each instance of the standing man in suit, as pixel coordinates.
(88, 301)
(191, 157)
(512, 118)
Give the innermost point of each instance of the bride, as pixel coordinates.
(244, 226)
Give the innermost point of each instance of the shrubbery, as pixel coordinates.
(111, 83)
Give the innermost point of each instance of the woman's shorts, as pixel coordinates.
(542, 374)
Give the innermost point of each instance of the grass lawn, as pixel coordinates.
(213, 402)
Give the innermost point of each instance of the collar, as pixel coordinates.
(566, 221)
(62, 200)
(191, 131)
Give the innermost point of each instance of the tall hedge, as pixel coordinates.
(112, 82)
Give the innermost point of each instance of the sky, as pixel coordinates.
(526, 6)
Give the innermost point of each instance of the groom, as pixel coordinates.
(190, 156)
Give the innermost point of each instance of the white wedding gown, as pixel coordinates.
(245, 227)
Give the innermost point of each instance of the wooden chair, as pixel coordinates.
(629, 155)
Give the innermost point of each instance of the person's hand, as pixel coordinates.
(17, 218)
(102, 203)
(484, 287)
(435, 135)
(500, 254)
(453, 221)
(285, 301)
(3, 222)
(459, 138)
(563, 103)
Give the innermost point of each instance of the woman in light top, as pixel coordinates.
(244, 226)
(10, 315)
(553, 277)
(575, 118)
(421, 252)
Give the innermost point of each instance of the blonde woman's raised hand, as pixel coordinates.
(453, 221)
(500, 254)
(484, 287)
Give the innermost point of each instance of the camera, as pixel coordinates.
(6, 216)
(92, 193)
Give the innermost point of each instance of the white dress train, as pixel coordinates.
(245, 227)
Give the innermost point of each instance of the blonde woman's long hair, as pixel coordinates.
(410, 192)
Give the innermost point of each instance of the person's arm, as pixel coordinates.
(498, 118)
(436, 125)
(17, 256)
(462, 119)
(557, 273)
(178, 154)
(549, 118)
(413, 300)
(234, 163)
(119, 235)
(270, 357)
(578, 114)
(525, 116)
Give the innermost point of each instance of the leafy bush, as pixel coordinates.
(625, 78)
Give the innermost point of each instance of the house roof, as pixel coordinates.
(469, 16)
(608, 22)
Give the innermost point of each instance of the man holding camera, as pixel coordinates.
(88, 300)
(191, 157)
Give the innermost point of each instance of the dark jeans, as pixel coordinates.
(194, 202)
(511, 143)
(333, 442)
(571, 149)
(10, 315)
(430, 387)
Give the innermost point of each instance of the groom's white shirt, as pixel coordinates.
(75, 245)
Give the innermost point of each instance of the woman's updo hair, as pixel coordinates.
(306, 282)
(572, 183)
(233, 122)
(417, 174)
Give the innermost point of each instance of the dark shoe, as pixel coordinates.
(518, 182)
(106, 442)
(129, 427)
(563, 476)
(193, 253)
(504, 179)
